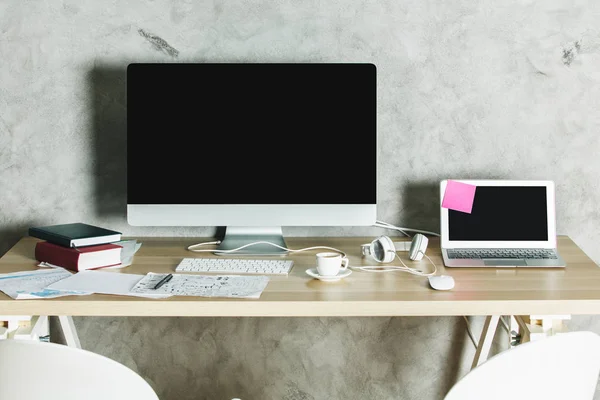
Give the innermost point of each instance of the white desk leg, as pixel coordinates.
(68, 328)
(485, 341)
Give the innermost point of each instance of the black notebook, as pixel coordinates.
(75, 235)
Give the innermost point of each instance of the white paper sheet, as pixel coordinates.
(104, 282)
(237, 286)
(130, 247)
(33, 284)
(45, 264)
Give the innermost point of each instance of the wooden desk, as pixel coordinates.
(479, 291)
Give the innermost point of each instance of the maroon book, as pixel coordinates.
(80, 258)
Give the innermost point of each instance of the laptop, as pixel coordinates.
(511, 223)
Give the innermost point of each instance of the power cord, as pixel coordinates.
(404, 268)
(378, 223)
(383, 224)
(192, 247)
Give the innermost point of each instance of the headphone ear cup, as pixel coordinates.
(383, 249)
(418, 247)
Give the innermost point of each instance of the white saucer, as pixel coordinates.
(342, 274)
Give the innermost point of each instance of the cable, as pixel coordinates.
(505, 324)
(382, 224)
(202, 244)
(191, 248)
(508, 331)
(470, 333)
(404, 268)
(387, 226)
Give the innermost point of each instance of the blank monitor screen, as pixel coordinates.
(508, 213)
(251, 133)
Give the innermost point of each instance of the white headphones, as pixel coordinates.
(383, 250)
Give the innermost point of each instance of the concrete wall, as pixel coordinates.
(470, 89)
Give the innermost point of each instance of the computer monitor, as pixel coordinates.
(251, 147)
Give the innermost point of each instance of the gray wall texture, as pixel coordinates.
(466, 89)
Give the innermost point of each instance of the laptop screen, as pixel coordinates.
(502, 213)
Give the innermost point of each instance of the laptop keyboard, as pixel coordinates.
(547, 254)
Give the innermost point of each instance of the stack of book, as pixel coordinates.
(77, 246)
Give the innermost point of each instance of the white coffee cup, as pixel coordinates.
(330, 264)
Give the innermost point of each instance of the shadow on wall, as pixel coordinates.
(9, 236)
(109, 131)
(421, 206)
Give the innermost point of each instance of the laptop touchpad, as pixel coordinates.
(505, 263)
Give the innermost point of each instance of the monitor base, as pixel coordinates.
(236, 236)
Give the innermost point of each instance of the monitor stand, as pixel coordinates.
(236, 236)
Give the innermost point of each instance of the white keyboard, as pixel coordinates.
(236, 266)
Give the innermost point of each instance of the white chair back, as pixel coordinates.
(32, 370)
(565, 366)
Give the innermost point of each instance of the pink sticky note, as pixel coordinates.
(459, 196)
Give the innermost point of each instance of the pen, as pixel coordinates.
(163, 281)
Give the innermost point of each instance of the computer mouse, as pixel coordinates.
(441, 282)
